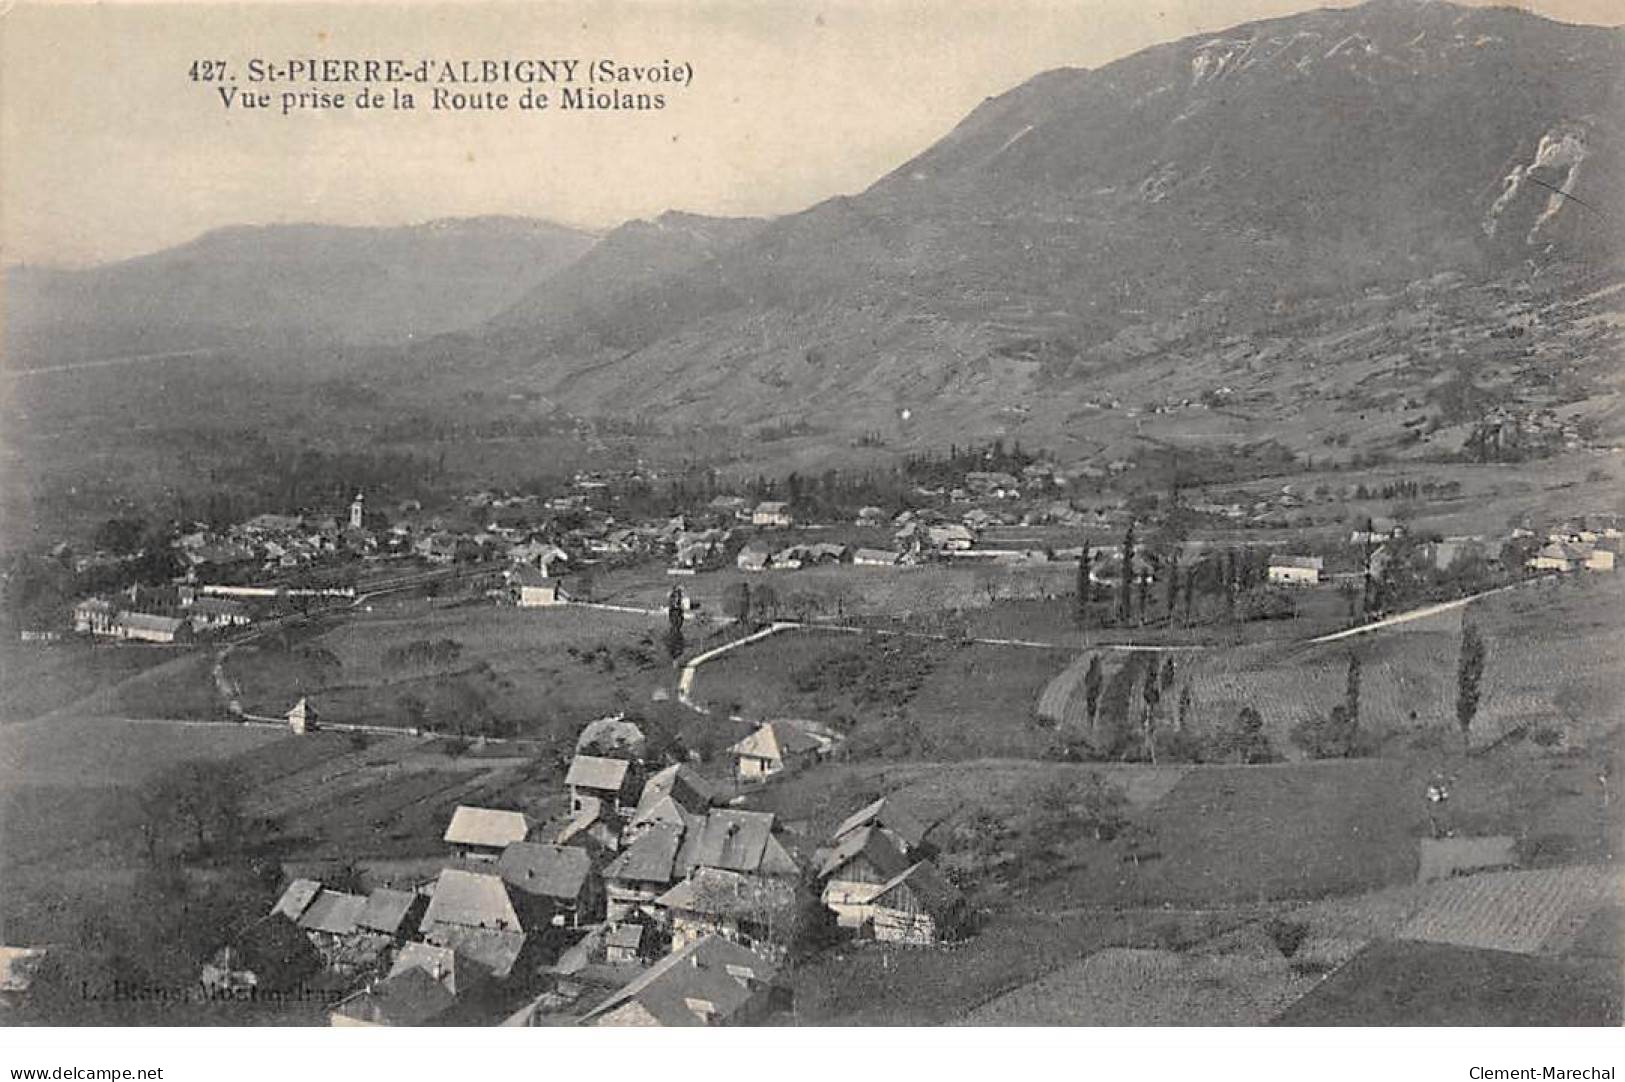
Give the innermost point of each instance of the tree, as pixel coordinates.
(736, 601)
(1469, 675)
(1102, 807)
(1351, 689)
(1125, 587)
(674, 623)
(1080, 609)
(1092, 681)
(193, 806)
(1245, 740)
(1143, 581)
(1171, 570)
(1332, 736)
(765, 601)
(1151, 693)
(1185, 707)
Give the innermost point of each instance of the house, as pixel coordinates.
(730, 505)
(744, 909)
(593, 778)
(775, 747)
(681, 783)
(612, 736)
(411, 997)
(874, 558)
(772, 514)
(95, 615)
(553, 884)
(147, 627)
(904, 829)
(392, 913)
(919, 906)
(861, 863)
(641, 873)
(623, 944)
(1297, 570)
(754, 558)
(213, 613)
(456, 973)
(465, 899)
(950, 537)
(709, 982)
(1572, 556)
(591, 828)
(531, 588)
(734, 840)
(1376, 531)
(301, 717)
(483, 833)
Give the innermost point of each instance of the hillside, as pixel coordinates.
(285, 285)
(1088, 219)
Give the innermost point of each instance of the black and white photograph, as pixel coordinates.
(882, 514)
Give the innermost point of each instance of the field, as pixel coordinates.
(36, 678)
(1398, 983)
(1524, 912)
(533, 672)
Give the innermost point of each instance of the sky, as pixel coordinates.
(108, 149)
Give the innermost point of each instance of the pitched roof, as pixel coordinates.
(386, 910)
(498, 950)
(596, 772)
(150, 622)
(777, 740)
(868, 842)
(333, 912)
(1304, 563)
(454, 972)
(889, 815)
(681, 782)
(551, 871)
(409, 998)
(728, 894)
(529, 575)
(665, 810)
(490, 827)
(650, 859)
(708, 980)
(929, 888)
(470, 900)
(297, 898)
(624, 935)
(729, 838)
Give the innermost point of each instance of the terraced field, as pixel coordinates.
(1525, 912)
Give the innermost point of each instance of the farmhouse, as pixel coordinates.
(681, 783)
(754, 558)
(623, 944)
(470, 900)
(777, 746)
(1296, 570)
(860, 865)
(553, 882)
(483, 833)
(146, 627)
(301, 717)
(736, 841)
(918, 906)
(410, 998)
(594, 779)
(739, 908)
(772, 513)
(903, 828)
(633, 880)
(392, 913)
(217, 612)
(456, 973)
(709, 982)
(874, 558)
(532, 588)
(95, 615)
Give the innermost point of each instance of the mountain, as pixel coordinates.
(285, 285)
(1088, 220)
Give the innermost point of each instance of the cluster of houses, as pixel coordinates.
(169, 614)
(1589, 544)
(658, 901)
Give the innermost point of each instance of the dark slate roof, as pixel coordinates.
(886, 813)
(730, 839)
(710, 971)
(869, 842)
(650, 859)
(386, 910)
(333, 912)
(552, 871)
(409, 998)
